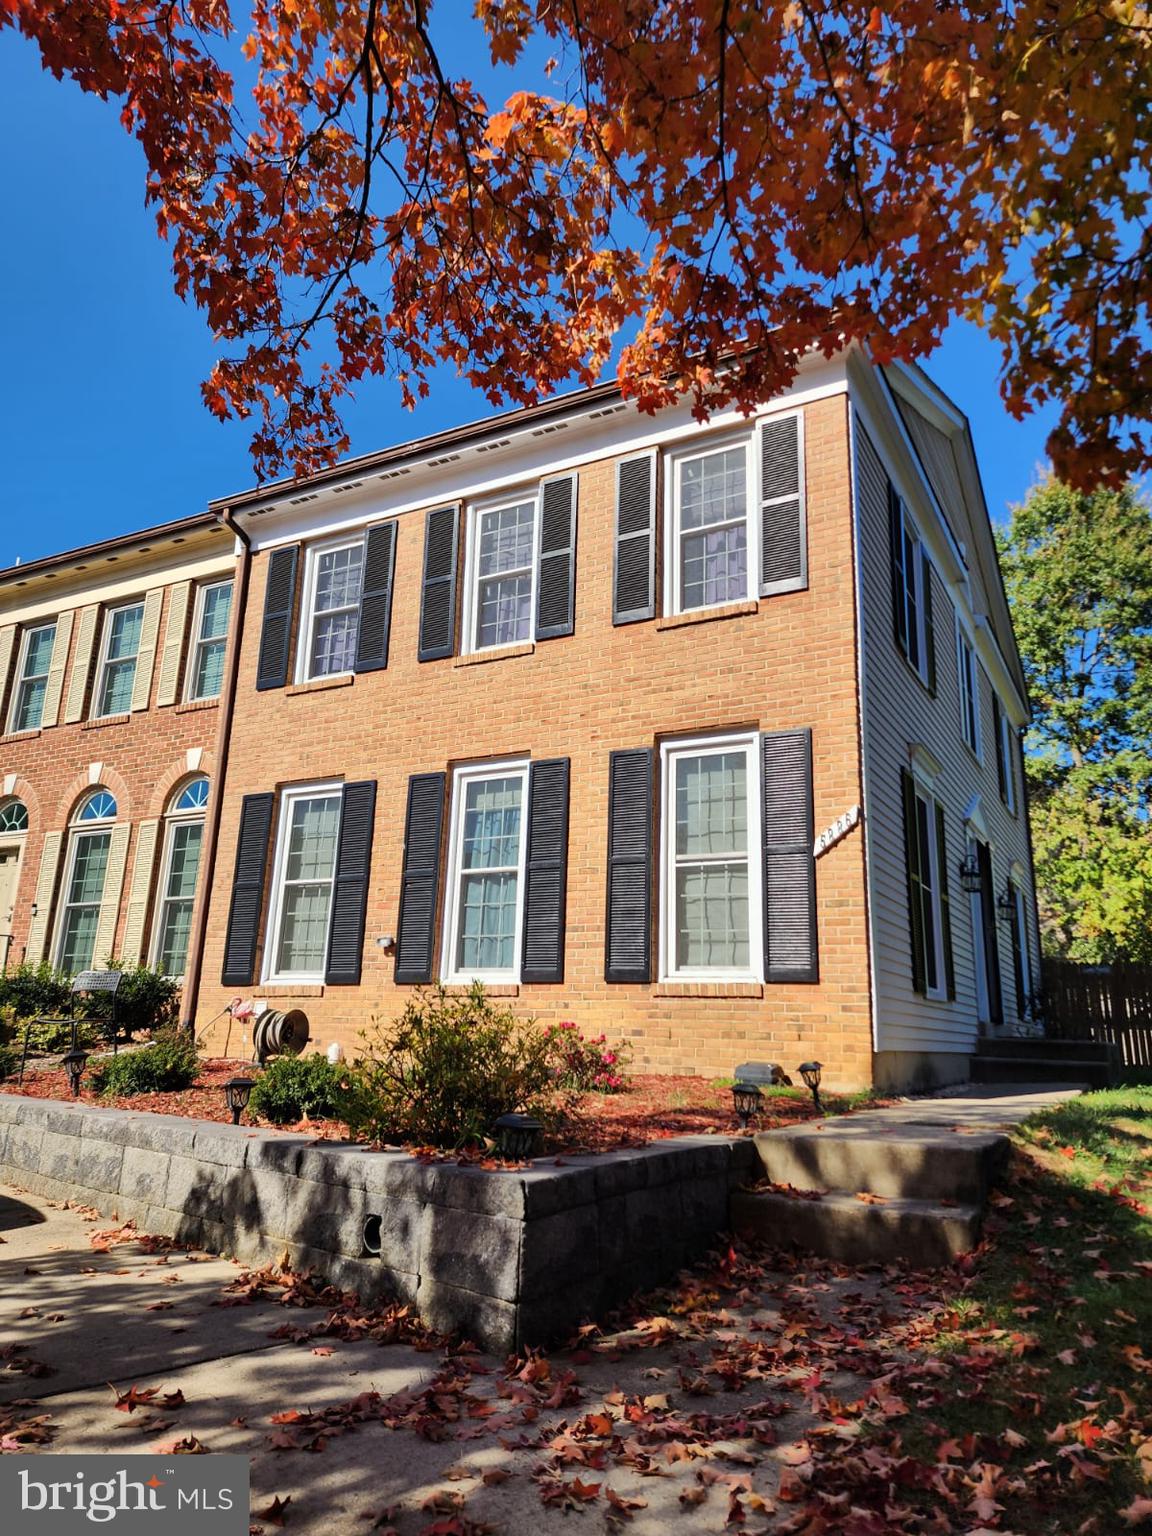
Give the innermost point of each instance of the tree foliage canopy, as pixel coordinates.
(773, 176)
(1078, 569)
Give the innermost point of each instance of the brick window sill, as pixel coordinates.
(319, 684)
(99, 724)
(189, 706)
(709, 989)
(305, 989)
(703, 615)
(497, 653)
(19, 736)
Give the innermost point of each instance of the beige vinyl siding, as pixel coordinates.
(899, 712)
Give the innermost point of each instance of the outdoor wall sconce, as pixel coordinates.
(237, 1092)
(747, 1100)
(75, 1061)
(1006, 906)
(810, 1072)
(517, 1136)
(970, 875)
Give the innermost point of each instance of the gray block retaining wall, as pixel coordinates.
(508, 1258)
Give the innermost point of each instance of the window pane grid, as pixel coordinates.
(211, 639)
(122, 643)
(81, 915)
(711, 858)
(506, 536)
(29, 708)
(306, 889)
(336, 610)
(713, 528)
(489, 875)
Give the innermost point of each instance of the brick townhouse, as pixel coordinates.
(111, 661)
(706, 736)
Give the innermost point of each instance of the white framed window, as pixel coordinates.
(712, 520)
(205, 676)
(711, 908)
(304, 873)
(333, 581)
(968, 679)
(36, 646)
(119, 648)
(908, 573)
(89, 844)
(179, 867)
(500, 589)
(1007, 751)
(486, 853)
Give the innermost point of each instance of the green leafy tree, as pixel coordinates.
(1078, 569)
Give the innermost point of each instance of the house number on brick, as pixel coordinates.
(840, 828)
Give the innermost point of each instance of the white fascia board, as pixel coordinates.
(518, 458)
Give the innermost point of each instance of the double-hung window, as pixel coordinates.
(333, 584)
(119, 648)
(712, 922)
(910, 600)
(968, 678)
(209, 638)
(713, 534)
(89, 845)
(929, 907)
(36, 649)
(183, 839)
(305, 871)
(1021, 969)
(486, 873)
(1005, 754)
(502, 562)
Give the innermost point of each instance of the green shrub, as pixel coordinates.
(166, 1066)
(31, 989)
(295, 1088)
(443, 1072)
(54, 1037)
(147, 999)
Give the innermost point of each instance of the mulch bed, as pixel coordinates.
(652, 1108)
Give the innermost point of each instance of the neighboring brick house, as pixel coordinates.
(564, 699)
(111, 659)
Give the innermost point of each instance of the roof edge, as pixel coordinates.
(119, 541)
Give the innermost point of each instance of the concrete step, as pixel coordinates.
(907, 1162)
(1030, 1069)
(1044, 1050)
(841, 1226)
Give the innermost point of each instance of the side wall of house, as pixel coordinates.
(783, 662)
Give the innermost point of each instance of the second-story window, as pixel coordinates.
(118, 651)
(333, 583)
(209, 638)
(32, 677)
(968, 678)
(712, 551)
(503, 557)
(1005, 754)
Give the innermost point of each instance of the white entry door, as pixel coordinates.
(9, 879)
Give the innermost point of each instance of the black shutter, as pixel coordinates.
(929, 627)
(783, 539)
(945, 902)
(438, 597)
(547, 872)
(628, 939)
(998, 732)
(914, 865)
(350, 890)
(420, 879)
(556, 563)
(634, 562)
(896, 564)
(279, 603)
(376, 598)
(790, 948)
(247, 890)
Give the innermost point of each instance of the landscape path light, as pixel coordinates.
(517, 1136)
(75, 1061)
(237, 1092)
(747, 1100)
(810, 1071)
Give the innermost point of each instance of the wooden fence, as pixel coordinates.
(1112, 1003)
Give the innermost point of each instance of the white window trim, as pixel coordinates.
(196, 640)
(693, 746)
(288, 799)
(1007, 743)
(475, 510)
(908, 525)
(105, 643)
(505, 769)
(173, 820)
(312, 554)
(938, 993)
(1022, 939)
(19, 678)
(674, 459)
(965, 642)
(76, 834)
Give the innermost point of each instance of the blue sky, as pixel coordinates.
(102, 425)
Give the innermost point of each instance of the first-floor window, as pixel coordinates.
(1020, 966)
(927, 890)
(83, 890)
(302, 885)
(486, 865)
(711, 873)
(183, 839)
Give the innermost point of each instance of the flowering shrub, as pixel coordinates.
(589, 1066)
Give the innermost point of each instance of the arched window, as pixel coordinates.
(180, 865)
(83, 888)
(13, 816)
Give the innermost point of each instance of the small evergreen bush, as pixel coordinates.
(444, 1072)
(170, 1063)
(147, 999)
(295, 1088)
(32, 989)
